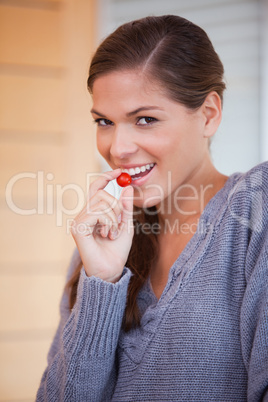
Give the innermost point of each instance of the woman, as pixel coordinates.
(166, 302)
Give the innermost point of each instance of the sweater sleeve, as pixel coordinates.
(81, 364)
(64, 307)
(254, 320)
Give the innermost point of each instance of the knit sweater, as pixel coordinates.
(205, 339)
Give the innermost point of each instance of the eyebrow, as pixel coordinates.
(132, 113)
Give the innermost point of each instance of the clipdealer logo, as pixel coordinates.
(48, 197)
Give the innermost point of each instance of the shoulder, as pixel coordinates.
(247, 212)
(256, 179)
(242, 208)
(247, 195)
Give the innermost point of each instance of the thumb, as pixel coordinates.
(126, 199)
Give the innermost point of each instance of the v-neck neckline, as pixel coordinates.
(153, 310)
(206, 224)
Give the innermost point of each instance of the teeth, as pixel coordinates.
(130, 171)
(137, 170)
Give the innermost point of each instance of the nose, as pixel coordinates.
(123, 145)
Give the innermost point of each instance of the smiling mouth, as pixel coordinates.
(139, 172)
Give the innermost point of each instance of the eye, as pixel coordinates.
(145, 121)
(103, 122)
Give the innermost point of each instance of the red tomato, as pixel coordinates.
(124, 179)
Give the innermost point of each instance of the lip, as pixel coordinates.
(142, 180)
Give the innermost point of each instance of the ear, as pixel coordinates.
(211, 109)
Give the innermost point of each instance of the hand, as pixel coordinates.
(103, 230)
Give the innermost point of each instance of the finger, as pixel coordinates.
(103, 208)
(82, 228)
(85, 224)
(102, 195)
(106, 228)
(103, 226)
(126, 199)
(102, 181)
(104, 231)
(114, 232)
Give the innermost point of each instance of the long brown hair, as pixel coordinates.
(179, 56)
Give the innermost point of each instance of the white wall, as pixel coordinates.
(235, 30)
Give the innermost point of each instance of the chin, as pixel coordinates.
(146, 202)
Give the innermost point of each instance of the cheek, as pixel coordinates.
(103, 146)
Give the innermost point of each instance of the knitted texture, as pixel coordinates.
(205, 339)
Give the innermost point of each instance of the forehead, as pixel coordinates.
(126, 90)
(126, 82)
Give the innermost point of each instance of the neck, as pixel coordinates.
(178, 222)
(186, 204)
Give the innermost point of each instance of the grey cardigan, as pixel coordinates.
(205, 339)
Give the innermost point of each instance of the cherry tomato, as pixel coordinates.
(124, 179)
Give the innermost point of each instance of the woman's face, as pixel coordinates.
(142, 131)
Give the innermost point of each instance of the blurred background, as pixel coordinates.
(47, 144)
